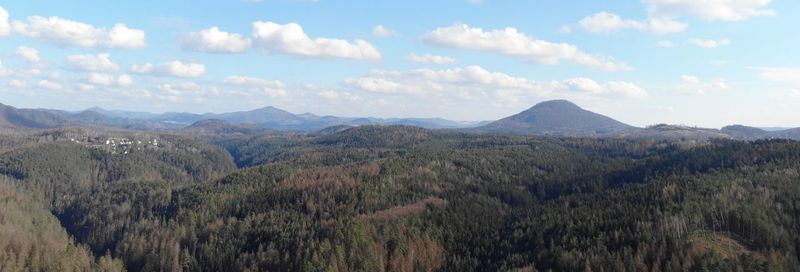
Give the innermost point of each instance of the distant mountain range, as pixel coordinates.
(269, 117)
(565, 119)
(551, 118)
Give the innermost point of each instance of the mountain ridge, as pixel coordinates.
(560, 118)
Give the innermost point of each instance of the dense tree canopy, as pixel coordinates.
(408, 199)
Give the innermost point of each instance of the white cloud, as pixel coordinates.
(98, 79)
(382, 32)
(780, 74)
(123, 37)
(19, 73)
(54, 76)
(16, 83)
(275, 93)
(330, 95)
(712, 10)
(690, 79)
(5, 28)
(124, 80)
(795, 93)
(270, 88)
(85, 87)
(428, 58)
(605, 22)
(291, 39)
(252, 82)
(615, 88)
(707, 43)
(213, 40)
(510, 41)
(665, 44)
(31, 55)
(67, 32)
(473, 81)
(101, 79)
(185, 90)
(46, 84)
(338, 96)
(142, 68)
(96, 63)
(693, 85)
(172, 68)
(179, 88)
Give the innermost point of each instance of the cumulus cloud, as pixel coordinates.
(213, 40)
(5, 28)
(694, 85)
(120, 36)
(779, 74)
(16, 83)
(707, 43)
(614, 88)
(19, 73)
(329, 95)
(292, 39)
(270, 88)
(511, 42)
(338, 96)
(428, 58)
(180, 87)
(124, 80)
(253, 82)
(473, 81)
(605, 22)
(711, 10)
(382, 32)
(31, 55)
(50, 85)
(72, 33)
(101, 79)
(275, 93)
(185, 90)
(172, 69)
(665, 44)
(95, 63)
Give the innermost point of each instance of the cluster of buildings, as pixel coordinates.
(119, 145)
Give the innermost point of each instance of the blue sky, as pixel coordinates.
(706, 63)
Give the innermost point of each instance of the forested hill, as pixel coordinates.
(403, 198)
(559, 118)
(11, 117)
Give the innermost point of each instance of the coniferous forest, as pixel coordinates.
(395, 198)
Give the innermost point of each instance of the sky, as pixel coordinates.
(706, 63)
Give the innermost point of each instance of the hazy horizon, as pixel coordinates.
(640, 62)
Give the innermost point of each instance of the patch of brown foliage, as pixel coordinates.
(722, 244)
(402, 211)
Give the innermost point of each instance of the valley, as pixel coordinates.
(585, 194)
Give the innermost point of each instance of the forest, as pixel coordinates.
(397, 198)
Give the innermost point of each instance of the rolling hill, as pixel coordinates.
(557, 118)
(212, 128)
(28, 118)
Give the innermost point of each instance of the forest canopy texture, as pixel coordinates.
(397, 198)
